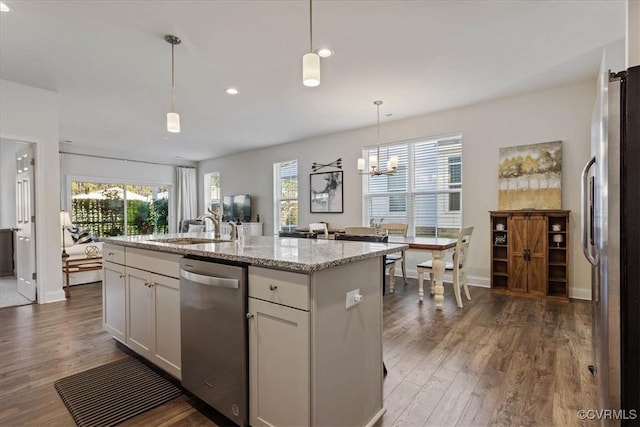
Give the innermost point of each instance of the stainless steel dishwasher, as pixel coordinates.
(213, 306)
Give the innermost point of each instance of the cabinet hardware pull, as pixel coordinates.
(273, 287)
(249, 316)
(110, 253)
(121, 276)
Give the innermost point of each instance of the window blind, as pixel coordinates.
(425, 192)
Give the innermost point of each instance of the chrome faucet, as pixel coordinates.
(215, 220)
(234, 230)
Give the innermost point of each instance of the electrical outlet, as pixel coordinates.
(353, 298)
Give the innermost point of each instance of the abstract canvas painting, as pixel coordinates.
(530, 176)
(326, 192)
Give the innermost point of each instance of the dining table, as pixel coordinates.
(438, 247)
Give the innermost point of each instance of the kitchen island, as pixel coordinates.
(314, 315)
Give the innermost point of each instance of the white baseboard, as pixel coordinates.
(584, 294)
(484, 282)
(54, 296)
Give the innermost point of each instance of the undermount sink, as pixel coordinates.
(189, 240)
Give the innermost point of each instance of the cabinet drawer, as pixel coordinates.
(113, 253)
(156, 262)
(281, 287)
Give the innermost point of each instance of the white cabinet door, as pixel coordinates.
(279, 365)
(114, 300)
(139, 313)
(255, 228)
(166, 310)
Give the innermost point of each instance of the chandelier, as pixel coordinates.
(374, 169)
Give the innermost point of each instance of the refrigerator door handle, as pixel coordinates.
(586, 248)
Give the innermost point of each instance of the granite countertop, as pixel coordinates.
(303, 255)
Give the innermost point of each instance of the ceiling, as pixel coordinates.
(112, 68)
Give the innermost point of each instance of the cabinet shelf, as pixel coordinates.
(530, 263)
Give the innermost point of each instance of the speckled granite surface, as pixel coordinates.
(305, 255)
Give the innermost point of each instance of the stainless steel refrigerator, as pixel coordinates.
(611, 243)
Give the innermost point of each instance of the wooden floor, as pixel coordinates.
(499, 361)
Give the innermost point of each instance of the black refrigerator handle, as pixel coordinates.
(591, 255)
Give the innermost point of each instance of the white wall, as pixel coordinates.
(561, 113)
(31, 115)
(633, 33)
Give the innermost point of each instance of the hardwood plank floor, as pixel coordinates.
(498, 361)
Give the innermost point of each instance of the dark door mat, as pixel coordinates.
(110, 394)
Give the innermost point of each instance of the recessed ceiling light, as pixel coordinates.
(232, 91)
(4, 7)
(325, 53)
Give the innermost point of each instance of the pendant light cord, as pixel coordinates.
(173, 83)
(378, 136)
(310, 26)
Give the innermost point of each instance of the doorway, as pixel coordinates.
(17, 224)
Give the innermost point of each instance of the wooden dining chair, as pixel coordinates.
(398, 229)
(457, 267)
(319, 227)
(360, 230)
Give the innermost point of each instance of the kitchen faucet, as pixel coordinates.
(215, 219)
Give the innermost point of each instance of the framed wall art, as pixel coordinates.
(326, 192)
(530, 176)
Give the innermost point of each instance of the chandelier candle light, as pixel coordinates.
(311, 60)
(173, 118)
(392, 163)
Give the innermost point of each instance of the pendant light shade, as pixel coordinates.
(311, 69)
(173, 122)
(392, 163)
(311, 60)
(173, 118)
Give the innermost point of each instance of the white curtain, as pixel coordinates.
(187, 201)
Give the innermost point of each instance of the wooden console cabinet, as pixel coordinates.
(530, 252)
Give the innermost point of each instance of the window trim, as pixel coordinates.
(277, 166)
(207, 190)
(104, 180)
(410, 193)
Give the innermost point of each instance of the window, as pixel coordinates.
(425, 192)
(455, 182)
(107, 209)
(285, 195)
(212, 192)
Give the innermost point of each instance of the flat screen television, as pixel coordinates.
(235, 207)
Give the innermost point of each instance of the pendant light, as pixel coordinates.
(392, 163)
(311, 60)
(173, 118)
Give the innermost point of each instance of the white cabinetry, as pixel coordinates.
(154, 318)
(313, 362)
(141, 303)
(248, 228)
(279, 348)
(114, 295)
